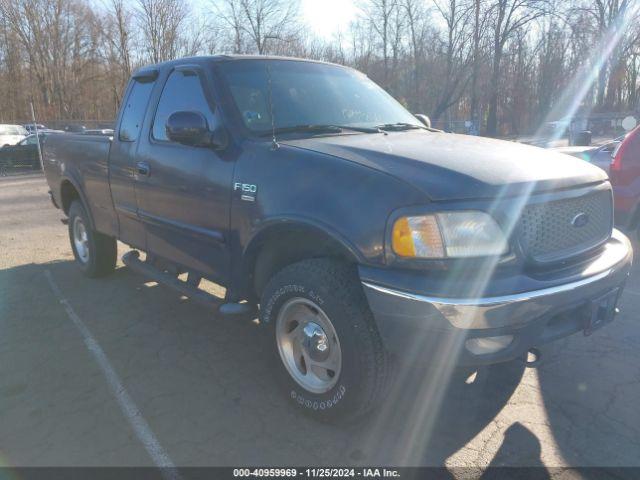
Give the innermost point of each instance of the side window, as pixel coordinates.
(182, 92)
(134, 111)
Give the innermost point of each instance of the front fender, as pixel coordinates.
(313, 227)
(321, 238)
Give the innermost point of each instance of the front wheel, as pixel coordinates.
(328, 353)
(95, 253)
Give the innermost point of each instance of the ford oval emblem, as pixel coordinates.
(580, 220)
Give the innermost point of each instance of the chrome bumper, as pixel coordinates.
(412, 325)
(610, 270)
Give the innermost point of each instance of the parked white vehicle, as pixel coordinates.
(11, 134)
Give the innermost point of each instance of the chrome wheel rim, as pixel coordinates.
(308, 345)
(81, 239)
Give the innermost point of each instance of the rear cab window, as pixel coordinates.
(134, 111)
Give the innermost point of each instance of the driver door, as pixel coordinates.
(183, 191)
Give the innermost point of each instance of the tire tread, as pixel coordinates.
(342, 281)
(103, 258)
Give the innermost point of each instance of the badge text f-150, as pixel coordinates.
(372, 235)
(248, 191)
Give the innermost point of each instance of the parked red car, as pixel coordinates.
(625, 178)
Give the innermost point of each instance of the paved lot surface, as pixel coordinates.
(202, 387)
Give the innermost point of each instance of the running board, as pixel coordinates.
(132, 260)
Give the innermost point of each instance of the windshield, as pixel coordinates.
(306, 93)
(12, 130)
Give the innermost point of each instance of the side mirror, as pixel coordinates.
(192, 128)
(424, 119)
(187, 128)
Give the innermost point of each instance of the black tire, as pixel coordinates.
(335, 288)
(102, 249)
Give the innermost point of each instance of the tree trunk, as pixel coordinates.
(492, 116)
(473, 111)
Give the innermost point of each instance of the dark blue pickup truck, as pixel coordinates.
(359, 233)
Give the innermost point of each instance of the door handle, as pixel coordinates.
(143, 169)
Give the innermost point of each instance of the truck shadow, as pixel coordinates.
(207, 391)
(520, 447)
(428, 418)
(590, 386)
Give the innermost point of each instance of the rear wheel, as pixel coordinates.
(329, 356)
(95, 253)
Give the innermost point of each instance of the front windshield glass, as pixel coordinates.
(306, 93)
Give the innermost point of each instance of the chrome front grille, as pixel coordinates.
(559, 229)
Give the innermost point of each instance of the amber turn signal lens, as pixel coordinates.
(418, 237)
(402, 239)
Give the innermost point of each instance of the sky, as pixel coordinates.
(327, 17)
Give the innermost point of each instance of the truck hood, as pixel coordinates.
(448, 166)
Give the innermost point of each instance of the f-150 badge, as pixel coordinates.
(248, 191)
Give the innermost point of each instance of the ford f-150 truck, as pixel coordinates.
(358, 232)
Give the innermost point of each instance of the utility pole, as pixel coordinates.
(35, 126)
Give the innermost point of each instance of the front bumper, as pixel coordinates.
(419, 327)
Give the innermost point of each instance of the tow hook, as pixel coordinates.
(532, 358)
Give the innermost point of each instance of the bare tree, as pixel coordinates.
(457, 54)
(120, 17)
(479, 26)
(381, 16)
(632, 78)
(507, 17)
(452, 59)
(416, 19)
(259, 25)
(162, 23)
(116, 48)
(60, 39)
(551, 51)
(11, 73)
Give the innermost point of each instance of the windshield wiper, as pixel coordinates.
(320, 129)
(362, 129)
(400, 126)
(304, 129)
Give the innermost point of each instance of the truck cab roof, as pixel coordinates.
(212, 59)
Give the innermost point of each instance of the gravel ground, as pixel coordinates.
(175, 382)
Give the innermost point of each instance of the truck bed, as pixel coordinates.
(85, 159)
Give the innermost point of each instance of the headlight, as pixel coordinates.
(451, 234)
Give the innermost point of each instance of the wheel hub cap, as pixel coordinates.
(308, 345)
(80, 239)
(315, 342)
